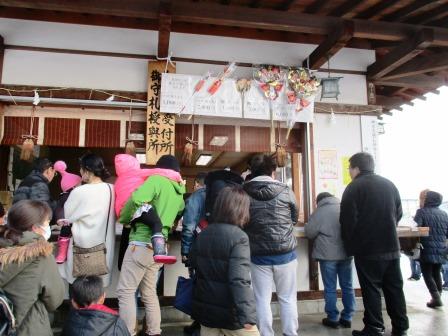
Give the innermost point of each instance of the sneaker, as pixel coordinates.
(414, 278)
(367, 332)
(330, 323)
(345, 323)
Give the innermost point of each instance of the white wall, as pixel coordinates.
(82, 71)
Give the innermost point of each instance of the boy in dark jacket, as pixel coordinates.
(90, 317)
(370, 211)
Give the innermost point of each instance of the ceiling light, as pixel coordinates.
(219, 140)
(203, 159)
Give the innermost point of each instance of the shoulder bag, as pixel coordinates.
(92, 260)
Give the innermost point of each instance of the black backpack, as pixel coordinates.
(7, 319)
(214, 183)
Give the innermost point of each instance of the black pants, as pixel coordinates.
(385, 275)
(432, 276)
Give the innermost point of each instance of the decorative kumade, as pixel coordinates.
(228, 70)
(242, 86)
(303, 85)
(270, 79)
(199, 85)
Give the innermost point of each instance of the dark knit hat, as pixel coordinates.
(168, 162)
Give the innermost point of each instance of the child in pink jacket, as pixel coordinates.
(129, 177)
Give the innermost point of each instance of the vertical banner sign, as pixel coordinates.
(159, 126)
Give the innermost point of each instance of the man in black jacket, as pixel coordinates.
(35, 185)
(370, 211)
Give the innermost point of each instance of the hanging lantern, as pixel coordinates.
(330, 85)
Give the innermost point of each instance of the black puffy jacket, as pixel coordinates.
(89, 322)
(222, 296)
(370, 211)
(34, 187)
(434, 246)
(273, 214)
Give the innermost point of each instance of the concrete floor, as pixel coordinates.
(423, 321)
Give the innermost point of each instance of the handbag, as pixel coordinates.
(92, 260)
(184, 295)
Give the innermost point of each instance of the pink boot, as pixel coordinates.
(63, 244)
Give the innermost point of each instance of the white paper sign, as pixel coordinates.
(177, 93)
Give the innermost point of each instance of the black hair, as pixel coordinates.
(323, 195)
(200, 178)
(363, 161)
(168, 162)
(94, 164)
(232, 206)
(2, 210)
(262, 164)
(42, 164)
(22, 216)
(87, 290)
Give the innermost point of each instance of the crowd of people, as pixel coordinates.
(237, 243)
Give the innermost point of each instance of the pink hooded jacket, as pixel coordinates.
(130, 177)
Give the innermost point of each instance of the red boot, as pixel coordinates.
(63, 244)
(160, 254)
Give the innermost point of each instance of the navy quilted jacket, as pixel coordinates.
(434, 246)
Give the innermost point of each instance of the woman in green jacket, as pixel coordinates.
(28, 273)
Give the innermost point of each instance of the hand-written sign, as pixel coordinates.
(160, 126)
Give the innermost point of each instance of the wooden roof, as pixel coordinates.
(409, 36)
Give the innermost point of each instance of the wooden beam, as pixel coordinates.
(345, 7)
(417, 66)
(334, 42)
(286, 5)
(164, 29)
(431, 15)
(255, 3)
(407, 9)
(418, 81)
(376, 9)
(2, 55)
(232, 16)
(401, 54)
(439, 23)
(315, 6)
(390, 101)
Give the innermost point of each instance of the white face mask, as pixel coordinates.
(47, 233)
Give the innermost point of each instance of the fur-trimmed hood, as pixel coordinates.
(29, 247)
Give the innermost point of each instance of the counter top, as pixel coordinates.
(403, 232)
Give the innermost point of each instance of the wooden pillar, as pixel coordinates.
(2, 54)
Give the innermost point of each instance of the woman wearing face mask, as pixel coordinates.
(28, 272)
(90, 209)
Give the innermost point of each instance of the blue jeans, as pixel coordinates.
(445, 274)
(331, 272)
(415, 269)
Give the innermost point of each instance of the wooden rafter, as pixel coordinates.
(286, 5)
(401, 54)
(202, 13)
(345, 7)
(330, 46)
(164, 28)
(255, 3)
(431, 15)
(417, 66)
(225, 2)
(315, 6)
(439, 23)
(408, 9)
(376, 9)
(417, 81)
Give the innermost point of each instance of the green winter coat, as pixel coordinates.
(30, 278)
(164, 195)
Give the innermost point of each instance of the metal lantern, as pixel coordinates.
(330, 87)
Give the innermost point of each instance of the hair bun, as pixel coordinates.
(60, 166)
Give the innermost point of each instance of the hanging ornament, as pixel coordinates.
(270, 79)
(130, 146)
(28, 143)
(228, 70)
(302, 86)
(280, 155)
(199, 85)
(242, 86)
(330, 85)
(36, 99)
(189, 146)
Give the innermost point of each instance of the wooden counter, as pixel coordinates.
(403, 232)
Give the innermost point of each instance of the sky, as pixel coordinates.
(413, 152)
